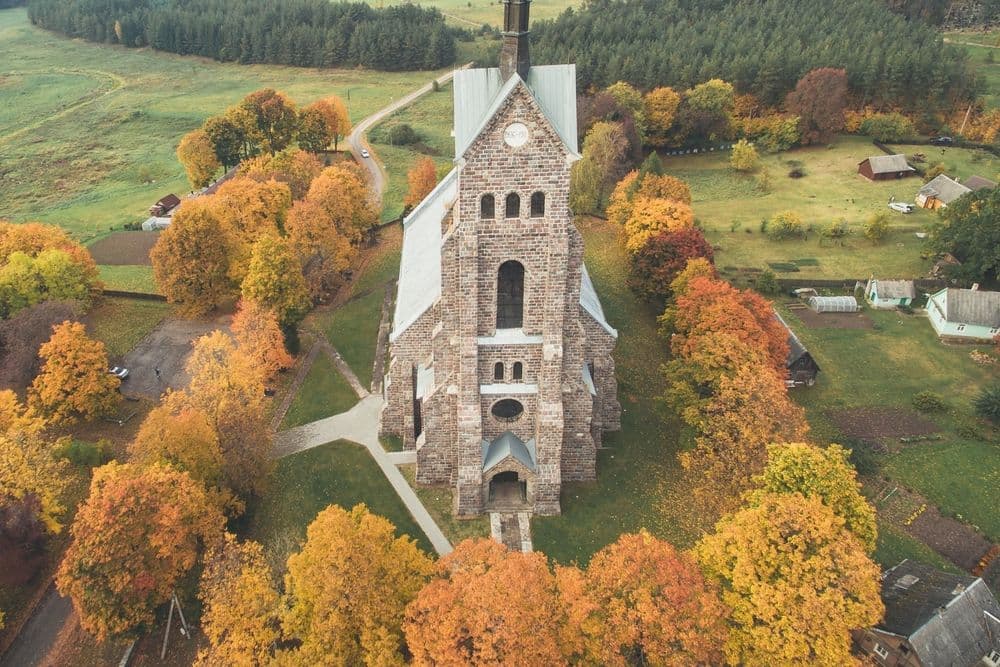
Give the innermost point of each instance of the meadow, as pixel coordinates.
(475, 13)
(88, 131)
(982, 48)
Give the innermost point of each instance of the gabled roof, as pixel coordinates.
(968, 306)
(796, 350)
(944, 189)
(887, 164)
(895, 289)
(508, 444)
(479, 94)
(978, 183)
(941, 614)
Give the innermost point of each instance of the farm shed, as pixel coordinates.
(965, 314)
(164, 205)
(939, 192)
(933, 618)
(802, 368)
(978, 183)
(834, 304)
(890, 294)
(156, 223)
(885, 167)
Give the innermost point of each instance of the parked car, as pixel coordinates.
(119, 372)
(365, 154)
(942, 141)
(901, 207)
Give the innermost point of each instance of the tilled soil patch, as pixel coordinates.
(875, 423)
(957, 542)
(124, 248)
(815, 320)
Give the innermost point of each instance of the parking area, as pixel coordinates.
(166, 348)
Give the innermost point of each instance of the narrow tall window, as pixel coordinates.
(518, 372)
(487, 205)
(537, 204)
(513, 206)
(510, 295)
(498, 370)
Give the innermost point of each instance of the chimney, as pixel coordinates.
(975, 286)
(514, 53)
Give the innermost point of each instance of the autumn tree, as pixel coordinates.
(347, 200)
(649, 185)
(197, 154)
(258, 334)
(825, 473)
(630, 99)
(471, 614)
(661, 259)
(324, 253)
(786, 225)
(241, 605)
(274, 117)
(139, 531)
(296, 168)
(228, 137)
(23, 333)
(744, 157)
(31, 238)
(644, 603)
(796, 581)
(249, 210)
(336, 120)
(705, 111)
(601, 165)
(274, 280)
(74, 381)
(695, 268)
(191, 258)
(347, 589)
(421, 178)
(313, 134)
(660, 106)
(818, 100)
(654, 216)
(227, 385)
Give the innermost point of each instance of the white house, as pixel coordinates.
(890, 294)
(968, 314)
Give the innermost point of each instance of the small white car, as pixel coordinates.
(119, 372)
(365, 154)
(901, 207)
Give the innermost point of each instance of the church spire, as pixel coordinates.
(514, 54)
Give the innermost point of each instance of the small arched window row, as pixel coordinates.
(537, 204)
(487, 207)
(513, 206)
(498, 370)
(518, 371)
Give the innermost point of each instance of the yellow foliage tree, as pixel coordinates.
(240, 617)
(661, 110)
(421, 178)
(634, 187)
(250, 210)
(744, 157)
(258, 335)
(74, 381)
(652, 216)
(334, 112)
(347, 200)
(274, 280)
(292, 166)
(795, 579)
(191, 258)
(139, 531)
(347, 589)
(324, 253)
(197, 154)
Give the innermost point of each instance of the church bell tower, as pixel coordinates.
(514, 56)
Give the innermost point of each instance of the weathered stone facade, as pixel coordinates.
(454, 380)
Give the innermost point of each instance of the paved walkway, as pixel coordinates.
(512, 529)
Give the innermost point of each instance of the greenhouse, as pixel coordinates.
(834, 304)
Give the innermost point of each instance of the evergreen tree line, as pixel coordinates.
(761, 47)
(304, 33)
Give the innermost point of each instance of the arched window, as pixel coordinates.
(486, 207)
(518, 370)
(510, 295)
(498, 370)
(513, 206)
(537, 204)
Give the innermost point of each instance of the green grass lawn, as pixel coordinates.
(960, 163)
(469, 13)
(128, 277)
(439, 503)
(122, 323)
(340, 473)
(89, 141)
(730, 207)
(324, 392)
(886, 367)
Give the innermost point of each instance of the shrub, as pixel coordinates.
(763, 181)
(987, 403)
(89, 454)
(744, 157)
(837, 230)
(887, 127)
(928, 401)
(934, 171)
(400, 134)
(876, 227)
(786, 225)
(767, 283)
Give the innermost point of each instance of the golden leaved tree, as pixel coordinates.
(347, 199)
(421, 179)
(197, 154)
(258, 335)
(323, 251)
(651, 216)
(274, 280)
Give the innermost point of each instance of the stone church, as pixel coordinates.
(500, 373)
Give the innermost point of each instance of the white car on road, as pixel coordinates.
(902, 207)
(365, 154)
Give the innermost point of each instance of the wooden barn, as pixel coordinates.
(164, 205)
(802, 368)
(885, 167)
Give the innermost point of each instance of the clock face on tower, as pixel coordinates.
(516, 135)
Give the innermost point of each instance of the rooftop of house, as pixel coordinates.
(944, 188)
(978, 183)
(796, 350)
(968, 306)
(887, 164)
(896, 289)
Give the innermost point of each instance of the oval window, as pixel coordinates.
(507, 409)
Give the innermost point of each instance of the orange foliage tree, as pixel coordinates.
(259, 336)
(348, 588)
(250, 210)
(324, 252)
(660, 105)
(795, 579)
(197, 154)
(32, 238)
(139, 531)
(487, 605)
(421, 179)
(296, 168)
(271, 116)
(347, 200)
(334, 113)
(191, 258)
(74, 381)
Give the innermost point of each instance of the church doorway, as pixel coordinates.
(507, 489)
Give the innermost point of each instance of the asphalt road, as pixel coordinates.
(357, 141)
(36, 637)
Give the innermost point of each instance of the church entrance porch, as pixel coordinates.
(507, 489)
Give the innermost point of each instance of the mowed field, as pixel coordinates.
(468, 13)
(984, 54)
(88, 132)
